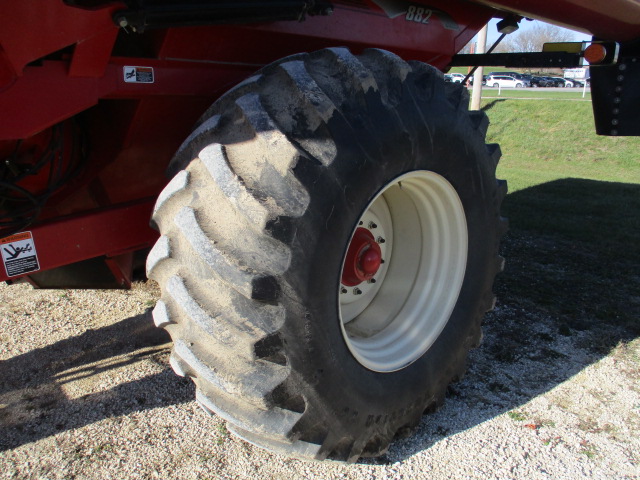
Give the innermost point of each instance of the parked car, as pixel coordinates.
(526, 79)
(554, 81)
(454, 77)
(577, 83)
(562, 82)
(523, 77)
(504, 81)
(537, 81)
(484, 80)
(509, 74)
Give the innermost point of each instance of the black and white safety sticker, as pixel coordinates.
(19, 254)
(138, 74)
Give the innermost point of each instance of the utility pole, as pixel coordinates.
(476, 95)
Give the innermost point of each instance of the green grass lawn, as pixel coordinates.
(547, 140)
(574, 94)
(573, 250)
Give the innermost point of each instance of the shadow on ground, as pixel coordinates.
(569, 295)
(492, 104)
(35, 406)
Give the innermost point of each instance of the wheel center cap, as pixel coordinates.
(363, 258)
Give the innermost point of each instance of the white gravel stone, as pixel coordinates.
(86, 392)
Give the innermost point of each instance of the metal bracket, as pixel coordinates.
(207, 12)
(518, 60)
(616, 98)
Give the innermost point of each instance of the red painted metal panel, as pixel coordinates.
(145, 122)
(32, 29)
(91, 56)
(46, 95)
(356, 28)
(617, 20)
(204, 61)
(110, 232)
(121, 267)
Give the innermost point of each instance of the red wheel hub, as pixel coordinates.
(363, 258)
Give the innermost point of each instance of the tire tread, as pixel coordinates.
(249, 156)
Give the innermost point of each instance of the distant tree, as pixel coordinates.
(533, 38)
(469, 46)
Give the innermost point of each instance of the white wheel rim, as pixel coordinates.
(389, 323)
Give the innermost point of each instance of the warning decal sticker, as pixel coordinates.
(19, 254)
(138, 74)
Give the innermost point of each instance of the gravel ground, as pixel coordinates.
(86, 393)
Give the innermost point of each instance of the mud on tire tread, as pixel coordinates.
(275, 168)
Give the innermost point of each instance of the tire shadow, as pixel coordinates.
(492, 104)
(567, 298)
(35, 405)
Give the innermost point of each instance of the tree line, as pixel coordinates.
(531, 39)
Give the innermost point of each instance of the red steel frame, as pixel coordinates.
(135, 128)
(74, 66)
(197, 61)
(114, 232)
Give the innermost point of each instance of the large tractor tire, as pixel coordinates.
(329, 242)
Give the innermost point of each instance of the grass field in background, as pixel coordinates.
(544, 140)
(573, 94)
(573, 250)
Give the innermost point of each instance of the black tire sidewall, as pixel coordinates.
(353, 397)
